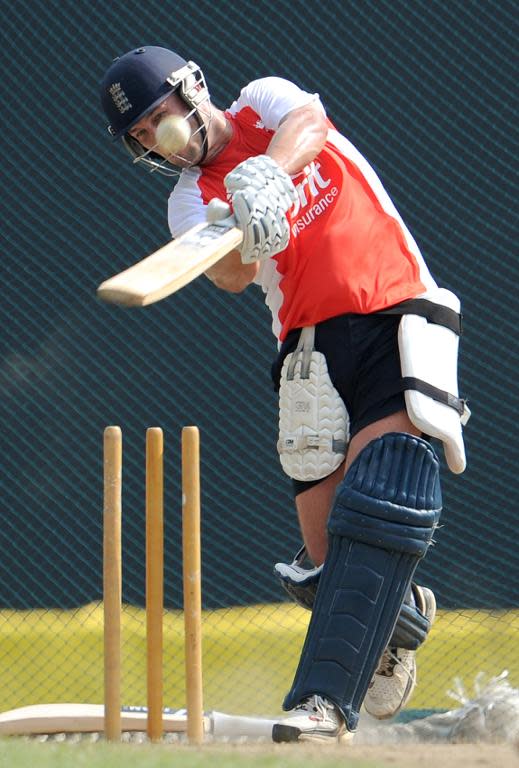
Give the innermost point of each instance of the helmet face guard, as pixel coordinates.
(137, 82)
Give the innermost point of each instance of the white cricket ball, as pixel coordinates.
(172, 134)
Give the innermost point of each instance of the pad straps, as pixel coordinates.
(441, 395)
(433, 313)
(306, 346)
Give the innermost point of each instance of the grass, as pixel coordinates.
(15, 753)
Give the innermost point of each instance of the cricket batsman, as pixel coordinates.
(366, 365)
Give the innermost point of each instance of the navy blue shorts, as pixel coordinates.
(364, 365)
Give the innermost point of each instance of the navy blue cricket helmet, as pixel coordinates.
(136, 82)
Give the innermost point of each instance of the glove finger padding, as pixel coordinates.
(262, 174)
(257, 172)
(261, 193)
(266, 230)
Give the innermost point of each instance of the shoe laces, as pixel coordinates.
(388, 662)
(317, 704)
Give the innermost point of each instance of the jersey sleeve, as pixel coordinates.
(186, 208)
(272, 98)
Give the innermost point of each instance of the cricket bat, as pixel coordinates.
(89, 718)
(173, 266)
(82, 718)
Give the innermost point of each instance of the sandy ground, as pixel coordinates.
(406, 755)
(441, 755)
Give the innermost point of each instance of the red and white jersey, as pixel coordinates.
(349, 250)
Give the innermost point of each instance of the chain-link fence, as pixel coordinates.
(423, 88)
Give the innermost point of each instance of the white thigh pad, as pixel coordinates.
(313, 420)
(429, 353)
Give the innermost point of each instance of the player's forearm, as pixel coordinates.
(230, 274)
(299, 139)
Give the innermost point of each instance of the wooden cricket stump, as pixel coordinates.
(154, 579)
(112, 580)
(192, 582)
(191, 571)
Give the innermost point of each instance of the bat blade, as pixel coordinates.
(84, 718)
(89, 718)
(173, 266)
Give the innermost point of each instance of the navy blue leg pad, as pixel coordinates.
(382, 522)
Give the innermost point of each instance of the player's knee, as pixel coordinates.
(390, 496)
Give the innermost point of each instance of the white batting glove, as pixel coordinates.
(261, 193)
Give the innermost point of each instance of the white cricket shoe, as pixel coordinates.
(395, 677)
(314, 719)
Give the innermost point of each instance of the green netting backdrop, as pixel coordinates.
(425, 89)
